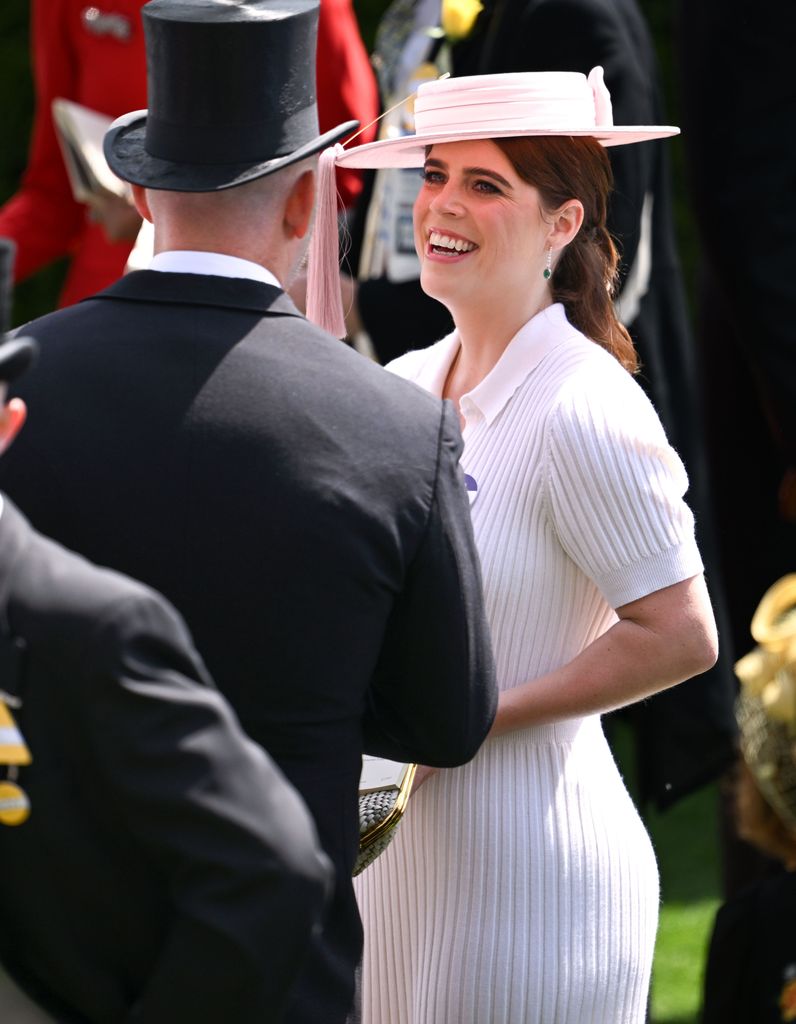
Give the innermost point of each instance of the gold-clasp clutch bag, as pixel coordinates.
(384, 790)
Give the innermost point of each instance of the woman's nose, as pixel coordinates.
(447, 199)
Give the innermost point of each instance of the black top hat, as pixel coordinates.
(16, 356)
(231, 92)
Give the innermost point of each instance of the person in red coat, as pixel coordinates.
(94, 55)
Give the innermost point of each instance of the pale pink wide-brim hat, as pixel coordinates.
(501, 106)
(531, 103)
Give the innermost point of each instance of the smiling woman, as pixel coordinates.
(523, 886)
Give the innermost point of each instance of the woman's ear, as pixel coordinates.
(565, 223)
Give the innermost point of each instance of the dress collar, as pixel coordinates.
(524, 352)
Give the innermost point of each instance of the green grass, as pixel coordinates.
(679, 959)
(686, 842)
(686, 845)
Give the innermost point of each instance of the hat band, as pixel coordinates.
(231, 143)
(501, 110)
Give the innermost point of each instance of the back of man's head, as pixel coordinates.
(266, 220)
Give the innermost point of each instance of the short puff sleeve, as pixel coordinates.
(615, 487)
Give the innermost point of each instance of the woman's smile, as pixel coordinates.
(447, 245)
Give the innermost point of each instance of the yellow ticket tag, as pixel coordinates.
(14, 804)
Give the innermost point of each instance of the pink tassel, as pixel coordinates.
(324, 301)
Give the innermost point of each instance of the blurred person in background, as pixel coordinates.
(751, 966)
(156, 864)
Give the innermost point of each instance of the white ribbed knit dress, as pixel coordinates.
(522, 888)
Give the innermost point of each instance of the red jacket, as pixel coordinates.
(101, 63)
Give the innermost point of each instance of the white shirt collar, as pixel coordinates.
(540, 335)
(189, 261)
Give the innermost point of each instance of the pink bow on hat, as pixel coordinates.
(603, 111)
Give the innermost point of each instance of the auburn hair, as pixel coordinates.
(585, 278)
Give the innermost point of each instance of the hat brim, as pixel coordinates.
(410, 150)
(127, 157)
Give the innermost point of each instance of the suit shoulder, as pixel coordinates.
(345, 377)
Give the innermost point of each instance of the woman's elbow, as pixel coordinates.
(700, 647)
(699, 640)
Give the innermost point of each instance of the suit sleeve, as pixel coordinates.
(214, 817)
(433, 698)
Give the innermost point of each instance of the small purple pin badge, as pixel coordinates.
(472, 487)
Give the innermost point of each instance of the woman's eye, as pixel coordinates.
(486, 186)
(431, 177)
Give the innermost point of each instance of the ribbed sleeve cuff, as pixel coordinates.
(663, 569)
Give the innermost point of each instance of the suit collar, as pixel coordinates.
(151, 286)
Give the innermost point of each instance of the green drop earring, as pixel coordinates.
(548, 270)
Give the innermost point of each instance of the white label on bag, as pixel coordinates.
(379, 773)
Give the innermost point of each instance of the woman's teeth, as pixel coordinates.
(438, 241)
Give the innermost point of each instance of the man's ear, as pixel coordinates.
(140, 202)
(12, 416)
(299, 206)
(565, 223)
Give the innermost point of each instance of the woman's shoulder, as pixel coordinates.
(595, 394)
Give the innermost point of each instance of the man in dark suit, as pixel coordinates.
(304, 509)
(167, 872)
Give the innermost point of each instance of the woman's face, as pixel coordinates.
(479, 229)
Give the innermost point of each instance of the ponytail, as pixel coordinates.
(585, 278)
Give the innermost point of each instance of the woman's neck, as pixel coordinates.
(485, 331)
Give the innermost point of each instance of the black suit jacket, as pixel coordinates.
(167, 873)
(750, 974)
(301, 507)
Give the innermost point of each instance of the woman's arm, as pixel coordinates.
(660, 640)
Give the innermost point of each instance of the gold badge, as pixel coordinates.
(14, 804)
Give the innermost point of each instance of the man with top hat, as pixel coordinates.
(156, 865)
(302, 508)
(93, 55)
